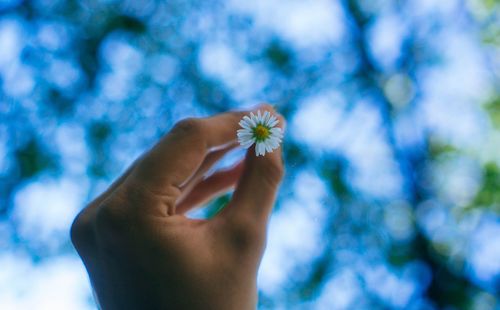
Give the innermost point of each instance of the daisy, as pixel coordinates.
(260, 129)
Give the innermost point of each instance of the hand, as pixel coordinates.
(142, 252)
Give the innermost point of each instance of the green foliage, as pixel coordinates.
(489, 194)
(33, 159)
(294, 155)
(279, 56)
(125, 22)
(437, 149)
(334, 172)
(492, 36)
(400, 254)
(98, 136)
(316, 277)
(99, 133)
(216, 206)
(61, 104)
(491, 4)
(493, 109)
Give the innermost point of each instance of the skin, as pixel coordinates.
(140, 249)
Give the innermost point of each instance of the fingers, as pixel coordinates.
(207, 163)
(255, 193)
(178, 155)
(210, 188)
(97, 201)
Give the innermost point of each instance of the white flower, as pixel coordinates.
(260, 129)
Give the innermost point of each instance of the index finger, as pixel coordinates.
(177, 156)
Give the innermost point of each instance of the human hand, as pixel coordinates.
(140, 249)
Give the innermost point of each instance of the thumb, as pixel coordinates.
(255, 193)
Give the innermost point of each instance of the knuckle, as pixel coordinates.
(81, 231)
(111, 220)
(108, 214)
(189, 126)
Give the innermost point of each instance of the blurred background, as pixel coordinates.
(392, 193)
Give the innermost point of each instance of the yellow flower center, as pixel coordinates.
(261, 132)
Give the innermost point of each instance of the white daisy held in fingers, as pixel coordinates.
(262, 130)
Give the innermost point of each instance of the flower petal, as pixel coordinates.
(276, 131)
(266, 117)
(244, 134)
(243, 123)
(245, 130)
(274, 142)
(260, 148)
(247, 143)
(250, 120)
(273, 121)
(269, 148)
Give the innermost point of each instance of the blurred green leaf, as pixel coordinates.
(61, 104)
(32, 159)
(217, 205)
(98, 139)
(493, 109)
(294, 155)
(491, 4)
(279, 56)
(316, 277)
(334, 171)
(400, 254)
(489, 194)
(98, 133)
(127, 23)
(437, 149)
